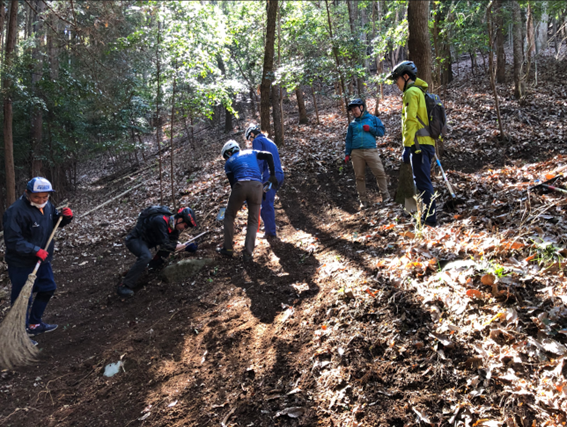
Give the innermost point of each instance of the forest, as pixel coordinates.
(355, 315)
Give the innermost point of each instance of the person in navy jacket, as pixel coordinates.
(28, 223)
(243, 173)
(360, 144)
(261, 143)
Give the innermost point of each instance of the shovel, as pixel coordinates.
(17, 348)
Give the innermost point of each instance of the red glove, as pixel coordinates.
(366, 128)
(67, 213)
(42, 254)
(347, 158)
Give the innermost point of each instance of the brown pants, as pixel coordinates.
(370, 157)
(251, 191)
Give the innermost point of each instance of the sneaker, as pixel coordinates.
(225, 252)
(267, 236)
(124, 291)
(247, 258)
(40, 328)
(34, 343)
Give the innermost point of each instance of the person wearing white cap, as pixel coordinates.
(28, 223)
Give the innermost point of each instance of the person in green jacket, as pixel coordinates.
(360, 144)
(419, 147)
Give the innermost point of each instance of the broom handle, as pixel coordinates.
(49, 242)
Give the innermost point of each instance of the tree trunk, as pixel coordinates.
(3, 18)
(491, 68)
(303, 120)
(7, 87)
(500, 54)
(419, 45)
(268, 71)
(36, 112)
(352, 12)
(227, 115)
(377, 17)
(518, 54)
(436, 42)
(530, 40)
(337, 63)
(158, 118)
(278, 128)
(171, 154)
(315, 104)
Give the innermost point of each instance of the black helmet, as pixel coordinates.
(188, 216)
(252, 129)
(355, 102)
(404, 67)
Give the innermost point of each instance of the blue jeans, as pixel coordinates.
(268, 212)
(44, 288)
(421, 166)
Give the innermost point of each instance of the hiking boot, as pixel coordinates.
(40, 328)
(225, 252)
(246, 257)
(124, 291)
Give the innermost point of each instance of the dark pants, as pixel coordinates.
(421, 166)
(139, 248)
(44, 288)
(251, 192)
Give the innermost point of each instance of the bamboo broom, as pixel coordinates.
(16, 348)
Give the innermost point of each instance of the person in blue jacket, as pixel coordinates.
(261, 143)
(243, 173)
(360, 145)
(28, 223)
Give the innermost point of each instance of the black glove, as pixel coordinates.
(273, 180)
(156, 262)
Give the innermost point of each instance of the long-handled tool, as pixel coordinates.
(188, 242)
(551, 187)
(454, 202)
(445, 177)
(17, 348)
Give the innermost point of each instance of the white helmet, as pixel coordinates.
(229, 148)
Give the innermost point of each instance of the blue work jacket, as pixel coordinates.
(357, 138)
(261, 143)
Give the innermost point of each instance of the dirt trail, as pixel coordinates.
(316, 331)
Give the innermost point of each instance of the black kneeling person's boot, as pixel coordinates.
(124, 291)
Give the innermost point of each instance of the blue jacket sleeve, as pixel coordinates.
(348, 141)
(377, 128)
(14, 238)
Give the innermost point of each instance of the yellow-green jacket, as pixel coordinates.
(414, 111)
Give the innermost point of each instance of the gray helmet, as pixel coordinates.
(404, 67)
(355, 102)
(255, 129)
